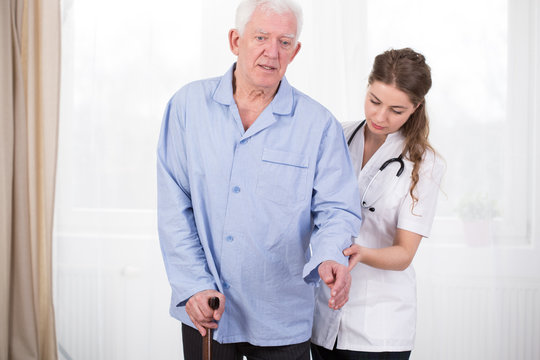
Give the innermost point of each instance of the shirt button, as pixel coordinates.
(226, 285)
(243, 141)
(236, 189)
(229, 238)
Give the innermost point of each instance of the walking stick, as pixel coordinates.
(213, 302)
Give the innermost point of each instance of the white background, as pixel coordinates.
(479, 280)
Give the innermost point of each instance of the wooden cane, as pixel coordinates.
(213, 302)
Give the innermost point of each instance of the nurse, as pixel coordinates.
(399, 176)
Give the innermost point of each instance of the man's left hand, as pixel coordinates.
(338, 279)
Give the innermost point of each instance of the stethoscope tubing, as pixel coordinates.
(398, 159)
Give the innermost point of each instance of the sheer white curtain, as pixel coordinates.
(479, 274)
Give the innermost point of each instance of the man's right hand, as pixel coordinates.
(338, 279)
(201, 314)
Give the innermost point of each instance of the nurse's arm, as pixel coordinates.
(396, 257)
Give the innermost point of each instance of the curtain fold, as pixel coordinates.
(29, 103)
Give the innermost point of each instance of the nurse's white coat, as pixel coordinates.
(381, 312)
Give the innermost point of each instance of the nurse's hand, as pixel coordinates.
(201, 314)
(338, 279)
(353, 253)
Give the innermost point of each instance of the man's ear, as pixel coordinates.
(234, 38)
(298, 46)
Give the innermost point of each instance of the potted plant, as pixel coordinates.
(477, 212)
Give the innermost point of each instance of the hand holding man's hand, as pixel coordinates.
(338, 279)
(353, 253)
(201, 314)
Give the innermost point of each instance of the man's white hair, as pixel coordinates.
(247, 7)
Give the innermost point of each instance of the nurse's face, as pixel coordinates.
(386, 108)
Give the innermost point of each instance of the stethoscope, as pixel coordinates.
(368, 202)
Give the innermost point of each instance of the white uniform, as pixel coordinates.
(381, 312)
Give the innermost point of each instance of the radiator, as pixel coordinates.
(477, 320)
(457, 318)
(79, 313)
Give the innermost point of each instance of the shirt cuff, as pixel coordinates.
(311, 269)
(182, 301)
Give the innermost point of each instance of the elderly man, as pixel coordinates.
(256, 197)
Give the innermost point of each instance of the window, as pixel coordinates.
(122, 61)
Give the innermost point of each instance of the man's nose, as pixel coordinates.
(272, 49)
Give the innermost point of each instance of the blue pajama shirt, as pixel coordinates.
(252, 213)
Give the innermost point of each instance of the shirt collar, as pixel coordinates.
(224, 92)
(395, 136)
(282, 104)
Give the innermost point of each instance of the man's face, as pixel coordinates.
(266, 48)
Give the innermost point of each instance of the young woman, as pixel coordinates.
(399, 175)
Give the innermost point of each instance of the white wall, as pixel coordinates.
(479, 293)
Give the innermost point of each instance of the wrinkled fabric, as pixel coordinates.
(238, 210)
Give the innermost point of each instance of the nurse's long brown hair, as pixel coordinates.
(407, 71)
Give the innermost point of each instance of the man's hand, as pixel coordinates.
(201, 314)
(338, 279)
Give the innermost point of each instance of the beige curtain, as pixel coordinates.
(29, 102)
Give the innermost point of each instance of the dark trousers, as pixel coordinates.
(320, 353)
(192, 340)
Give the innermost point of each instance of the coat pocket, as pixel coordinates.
(282, 177)
(390, 315)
